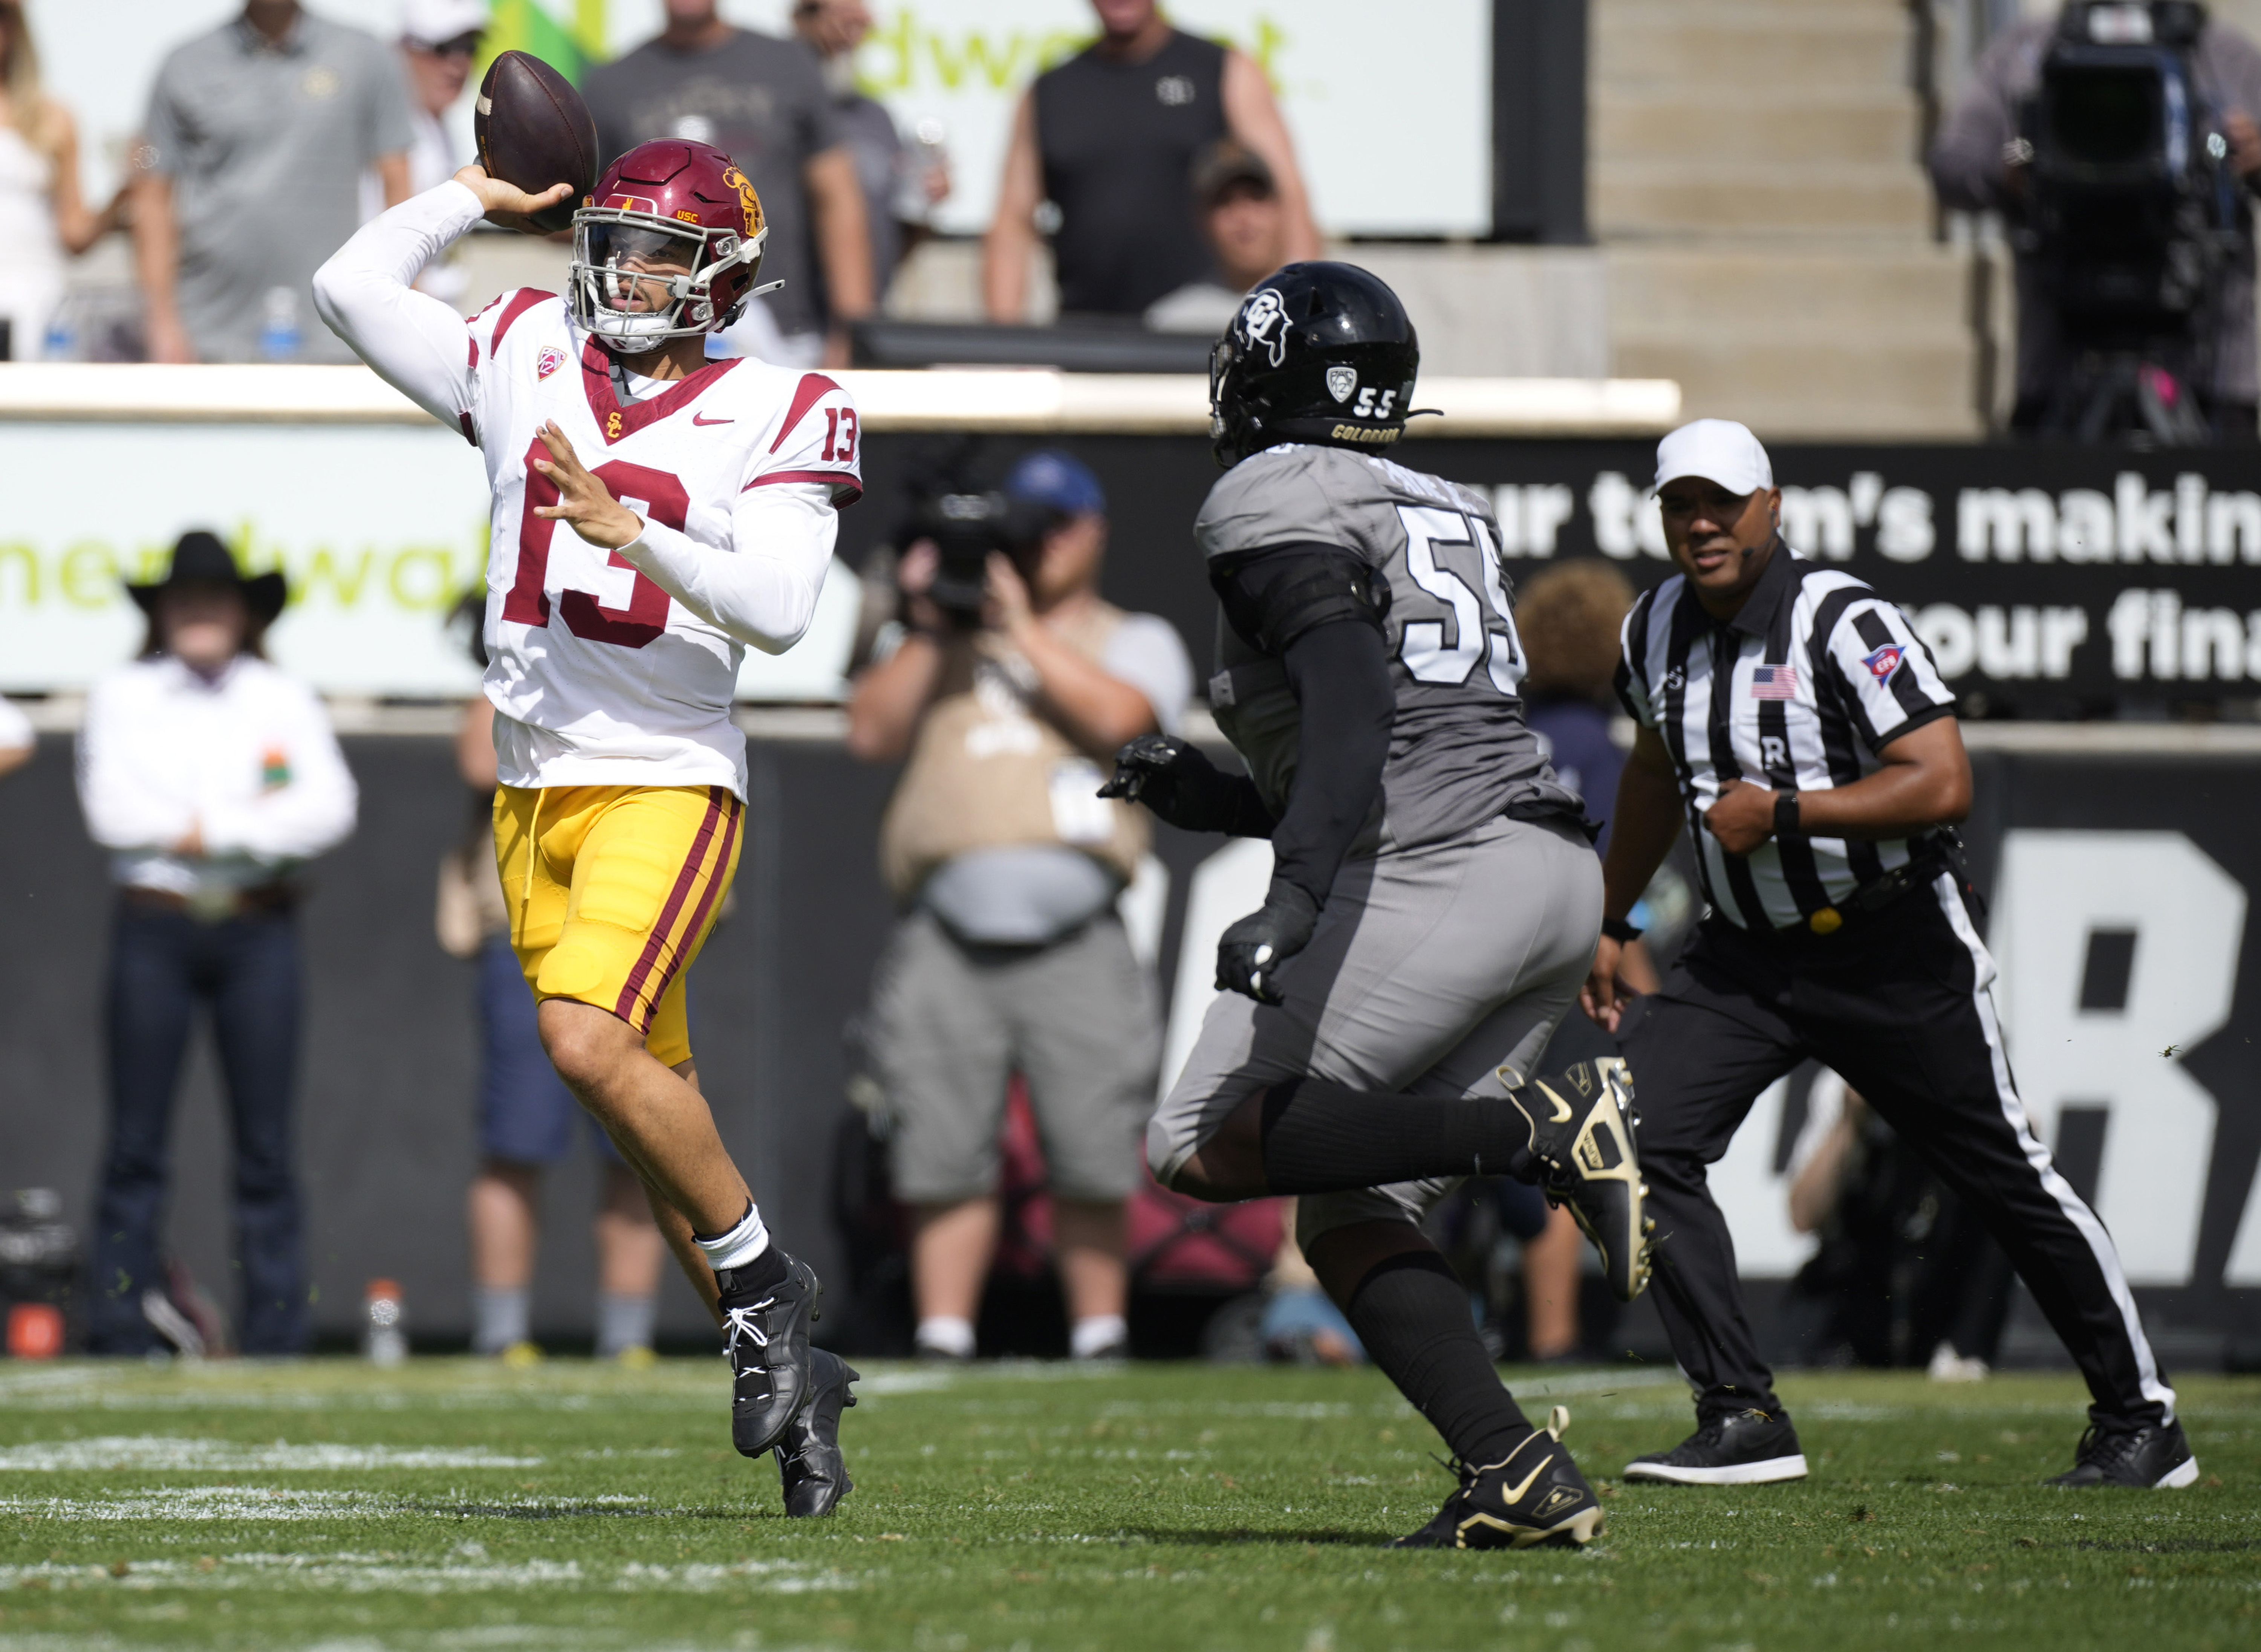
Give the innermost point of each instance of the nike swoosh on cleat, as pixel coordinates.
(1515, 1493)
(1561, 1109)
(701, 418)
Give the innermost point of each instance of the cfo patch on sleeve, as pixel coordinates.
(1883, 661)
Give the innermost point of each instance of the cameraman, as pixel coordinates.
(1978, 165)
(1011, 677)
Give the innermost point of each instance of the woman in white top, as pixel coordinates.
(43, 219)
(209, 777)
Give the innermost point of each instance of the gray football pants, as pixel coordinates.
(1431, 969)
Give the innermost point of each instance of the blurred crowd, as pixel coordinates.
(1155, 163)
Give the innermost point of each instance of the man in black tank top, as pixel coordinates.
(1110, 138)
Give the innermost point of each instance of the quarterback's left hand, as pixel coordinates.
(584, 502)
(1252, 951)
(1743, 818)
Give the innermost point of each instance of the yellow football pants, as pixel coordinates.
(612, 890)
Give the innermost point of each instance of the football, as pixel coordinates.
(534, 131)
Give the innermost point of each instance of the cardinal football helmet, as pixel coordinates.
(685, 209)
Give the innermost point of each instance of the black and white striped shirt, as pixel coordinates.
(1802, 689)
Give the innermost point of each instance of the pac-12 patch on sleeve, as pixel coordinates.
(1883, 661)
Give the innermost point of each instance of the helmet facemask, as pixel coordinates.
(638, 280)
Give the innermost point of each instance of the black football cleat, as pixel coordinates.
(1535, 1496)
(765, 1334)
(1735, 1448)
(2153, 1457)
(1582, 1125)
(810, 1467)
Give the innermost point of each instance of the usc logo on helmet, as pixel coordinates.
(748, 202)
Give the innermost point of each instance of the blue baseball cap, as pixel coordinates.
(1055, 480)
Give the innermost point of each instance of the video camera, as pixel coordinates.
(967, 524)
(2134, 207)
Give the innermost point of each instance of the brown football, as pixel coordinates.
(534, 131)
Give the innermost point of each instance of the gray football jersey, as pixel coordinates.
(1460, 752)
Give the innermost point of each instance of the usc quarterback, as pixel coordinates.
(699, 501)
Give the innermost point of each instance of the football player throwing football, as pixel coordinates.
(1434, 901)
(655, 515)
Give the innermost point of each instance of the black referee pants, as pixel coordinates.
(1897, 1003)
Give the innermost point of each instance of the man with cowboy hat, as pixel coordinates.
(209, 777)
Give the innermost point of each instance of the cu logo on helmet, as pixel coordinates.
(1264, 323)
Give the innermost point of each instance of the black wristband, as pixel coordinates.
(1619, 931)
(1785, 815)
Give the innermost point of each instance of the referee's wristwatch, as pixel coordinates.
(1785, 815)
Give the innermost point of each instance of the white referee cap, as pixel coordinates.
(1717, 450)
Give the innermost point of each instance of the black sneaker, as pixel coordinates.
(1735, 1448)
(1536, 1495)
(2157, 1456)
(1581, 1124)
(765, 1334)
(810, 1467)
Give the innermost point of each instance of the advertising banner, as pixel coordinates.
(2054, 582)
(379, 530)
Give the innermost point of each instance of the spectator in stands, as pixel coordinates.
(17, 742)
(42, 218)
(1977, 165)
(438, 40)
(1109, 139)
(210, 778)
(900, 189)
(1009, 955)
(526, 1116)
(1246, 226)
(1566, 615)
(764, 101)
(248, 176)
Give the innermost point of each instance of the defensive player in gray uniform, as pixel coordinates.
(1434, 901)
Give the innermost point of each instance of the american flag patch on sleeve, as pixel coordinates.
(1774, 683)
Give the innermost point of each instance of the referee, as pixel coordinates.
(1789, 715)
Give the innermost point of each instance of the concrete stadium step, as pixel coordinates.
(1643, 124)
(1910, 288)
(1684, 198)
(1816, 384)
(1807, 46)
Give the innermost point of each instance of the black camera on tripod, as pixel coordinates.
(2133, 213)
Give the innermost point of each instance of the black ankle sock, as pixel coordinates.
(1322, 1137)
(1412, 1314)
(756, 1274)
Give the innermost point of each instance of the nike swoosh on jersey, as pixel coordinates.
(701, 418)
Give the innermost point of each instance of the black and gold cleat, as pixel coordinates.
(1582, 1127)
(1534, 1497)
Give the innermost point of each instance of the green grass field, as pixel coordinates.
(458, 1505)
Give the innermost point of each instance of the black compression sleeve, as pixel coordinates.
(1340, 674)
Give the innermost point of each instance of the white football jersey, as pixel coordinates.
(601, 678)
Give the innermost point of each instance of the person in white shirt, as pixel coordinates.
(439, 40)
(697, 503)
(210, 778)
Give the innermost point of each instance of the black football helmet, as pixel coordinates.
(1319, 351)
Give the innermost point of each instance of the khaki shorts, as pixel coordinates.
(951, 1022)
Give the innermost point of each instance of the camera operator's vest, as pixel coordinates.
(987, 771)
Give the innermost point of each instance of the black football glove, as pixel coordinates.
(1250, 953)
(1175, 779)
